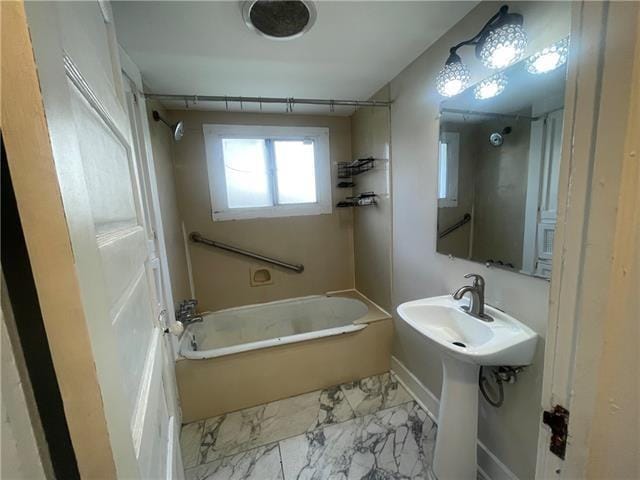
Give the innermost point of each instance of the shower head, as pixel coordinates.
(497, 138)
(177, 130)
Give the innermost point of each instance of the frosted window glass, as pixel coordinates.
(246, 173)
(296, 173)
(442, 172)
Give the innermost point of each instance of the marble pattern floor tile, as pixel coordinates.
(372, 394)
(210, 445)
(389, 444)
(262, 463)
(256, 426)
(190, 440)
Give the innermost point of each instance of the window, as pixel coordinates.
(261, 171)
(442, 170)
(448, 149)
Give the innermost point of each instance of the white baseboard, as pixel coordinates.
(489, 466)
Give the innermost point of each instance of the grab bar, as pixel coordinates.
(455, 226)
(197, 238)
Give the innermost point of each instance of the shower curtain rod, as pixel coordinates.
(290, 101)
(500, 115)
(487, 114)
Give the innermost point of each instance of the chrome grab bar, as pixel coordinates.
(465, 219)
(197, 238)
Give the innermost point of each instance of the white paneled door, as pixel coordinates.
(112, 234)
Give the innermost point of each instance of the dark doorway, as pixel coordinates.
(30, 328)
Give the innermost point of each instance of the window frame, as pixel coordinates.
(452, 141)
(220, 211)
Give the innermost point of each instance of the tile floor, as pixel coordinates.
(368, 429)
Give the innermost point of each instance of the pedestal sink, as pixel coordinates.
(465, 344)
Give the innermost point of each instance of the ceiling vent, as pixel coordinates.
(279, 19)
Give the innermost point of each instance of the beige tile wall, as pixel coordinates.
(322, 243)
(162, 144)
(370, 137)
(500, 193)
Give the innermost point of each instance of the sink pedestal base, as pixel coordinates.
(455, 456)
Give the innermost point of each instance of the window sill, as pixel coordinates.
(447, 202)
(271, 212)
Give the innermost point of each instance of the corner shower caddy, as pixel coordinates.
(346, 172)
(363, 200)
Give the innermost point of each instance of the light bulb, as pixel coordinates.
(453, 79)
(503, 46)
(549, 58)
(490, 87)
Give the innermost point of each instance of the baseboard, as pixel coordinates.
(489, 466)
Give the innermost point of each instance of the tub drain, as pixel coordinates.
(460, 344)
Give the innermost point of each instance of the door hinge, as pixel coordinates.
(558, 420)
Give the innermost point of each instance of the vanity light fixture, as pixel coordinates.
(550, 58)
(491, 87)
(500, 43)
(454, 77)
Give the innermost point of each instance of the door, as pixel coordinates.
(111, 233)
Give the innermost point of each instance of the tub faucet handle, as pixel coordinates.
(175, 329)
(188, 305)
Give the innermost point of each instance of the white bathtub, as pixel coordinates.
(254, 327)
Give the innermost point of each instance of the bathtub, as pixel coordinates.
(242, 329)
(245, 356)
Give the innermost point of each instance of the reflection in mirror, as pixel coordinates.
(499, 159)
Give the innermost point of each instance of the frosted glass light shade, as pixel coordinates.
(453, 79)
(549, 58)
(491, 87)
(503, 46)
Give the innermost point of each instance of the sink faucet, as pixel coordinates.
(476, 303)
(186, 312)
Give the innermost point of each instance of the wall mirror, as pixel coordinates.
(499, 158)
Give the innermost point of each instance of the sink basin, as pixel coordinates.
(505, 341)
(465, 343)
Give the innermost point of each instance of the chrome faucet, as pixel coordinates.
(476, 302)
(186, 312)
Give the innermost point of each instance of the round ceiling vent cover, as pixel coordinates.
(279, 19)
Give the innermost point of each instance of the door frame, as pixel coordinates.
(597, 99)
(48, 239)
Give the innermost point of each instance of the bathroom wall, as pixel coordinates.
(418, 271)
(322, 243)
(162, 144)
(370, 137)
(23, 445)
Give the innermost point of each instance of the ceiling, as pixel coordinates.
(204, 48)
